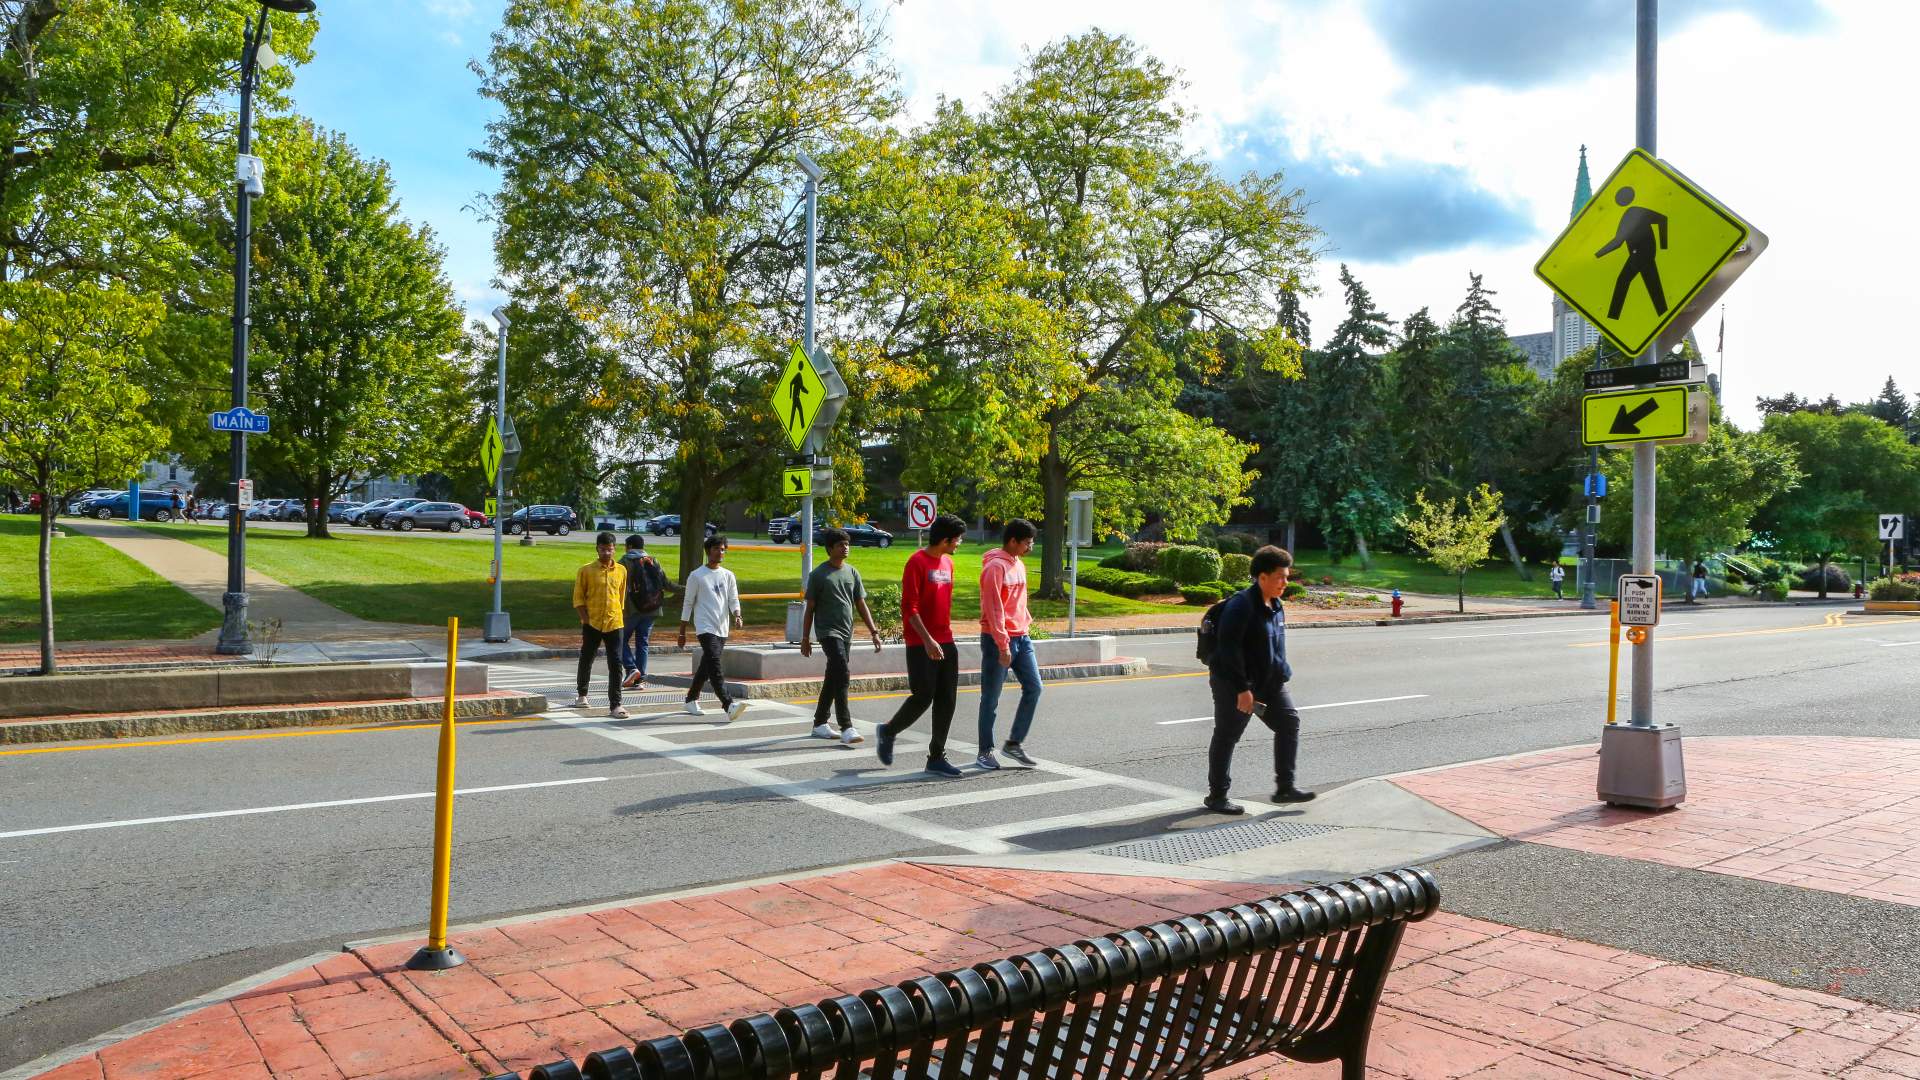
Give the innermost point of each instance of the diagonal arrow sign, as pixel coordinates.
(1628, 422)
(795, 481)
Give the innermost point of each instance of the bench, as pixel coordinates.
(1298, 974)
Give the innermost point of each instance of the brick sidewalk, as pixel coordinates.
(1469, 998)
(1830, 813)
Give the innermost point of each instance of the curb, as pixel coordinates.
(135, 725)
(866, 684)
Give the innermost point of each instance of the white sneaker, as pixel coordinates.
(580, 702)
(738, 710)
(852, 737)
(694, 709)
(987, 761)
(617, 713)
(822, 731)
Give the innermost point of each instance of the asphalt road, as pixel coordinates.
(136, 874)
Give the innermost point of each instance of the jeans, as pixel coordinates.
(993, 676)
(1557, 594)
(1229, 723)
(833, 688)
(932, 683)
(707, 669)
(633, 643)
(591, 642)
(1699, 587)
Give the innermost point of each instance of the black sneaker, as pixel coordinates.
(1292, 794)
(1223, 805)
(940, 766)
(883, 745)
(1013, 751)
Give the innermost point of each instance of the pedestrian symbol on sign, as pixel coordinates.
(1638, 228)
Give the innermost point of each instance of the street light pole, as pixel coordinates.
(1646, 136)
(498, 626)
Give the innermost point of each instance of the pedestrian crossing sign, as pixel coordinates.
(1640, 251)
(797, 481)
(797, 398)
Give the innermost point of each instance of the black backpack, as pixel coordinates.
(1209, 641)
(646, 587)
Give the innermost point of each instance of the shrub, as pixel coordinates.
(1124, 583)
(1115, 561)
(1159, 586)
(1189, 564)
(1771, 590)
(1904, 587)
(1143, 557)
(884, 602)
(1200, 594)
(1838, 580)
(1235, 543)
(1237, 568)
(1295, 591)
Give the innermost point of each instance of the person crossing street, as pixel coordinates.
(1004, 643)
(646, 591)
(933, 663)
(834, 591)
(1248, 675)
(600, 599)
(711, 606)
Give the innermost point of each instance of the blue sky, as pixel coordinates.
(1432, 137)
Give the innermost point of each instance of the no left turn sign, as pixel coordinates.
(922, 508)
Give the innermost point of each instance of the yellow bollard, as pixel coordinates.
(1613, 662)
(436, 956)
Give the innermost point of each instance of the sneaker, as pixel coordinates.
(693, 709)
(617, 713)
(822, 731)
(634, 682)
(735, 711)
(1291, 794)
(1223, 805)
(1014, 751)
(884, 750)
(580, 702)
(987, 761)
(940, 766)
(851, 736)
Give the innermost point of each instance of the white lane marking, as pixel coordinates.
(1899, 644)
(989, 794)
(1516, 633)
(1306, 708)
(1091, 817)
(295, 806)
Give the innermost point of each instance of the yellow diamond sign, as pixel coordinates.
(796, 482)
(797, 398)
(490, 449)
(1640, 250)
(1657, 415)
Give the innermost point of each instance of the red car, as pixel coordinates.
(475, 519)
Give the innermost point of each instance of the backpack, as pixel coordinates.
(1209, 641)
(644, 589)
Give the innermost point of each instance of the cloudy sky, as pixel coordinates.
(1433, 137)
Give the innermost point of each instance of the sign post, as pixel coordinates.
(1892, 527)
(497, 626)
(1079, 535)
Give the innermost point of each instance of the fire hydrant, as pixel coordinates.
(1397, 603)
(1859, 590)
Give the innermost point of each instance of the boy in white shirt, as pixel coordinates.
(711, 604)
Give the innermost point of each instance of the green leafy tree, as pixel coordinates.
(71, 410)
(1493, 392)
(1455, 535)
(1348, 445)
(1854, 467)
(354, 323)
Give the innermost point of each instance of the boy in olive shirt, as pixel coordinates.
(834, 590)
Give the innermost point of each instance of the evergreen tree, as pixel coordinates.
(1892, 408)
(1349, 447)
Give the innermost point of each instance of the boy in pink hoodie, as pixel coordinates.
(1004, 644)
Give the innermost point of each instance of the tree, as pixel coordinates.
(1134, 245)
(1854, 467)
(70, 409)
(1421, 389)
(1455, 536)
(1347, 446)
(354, 323)
(1892, 409)
(1493, 391)
(647, 189)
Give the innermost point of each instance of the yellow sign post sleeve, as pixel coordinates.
(436, 956)
(1613, 661)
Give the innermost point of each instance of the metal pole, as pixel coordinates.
(233, 621)
(1646, 113)
(1073, 586)
(806, 501)
(497, 621)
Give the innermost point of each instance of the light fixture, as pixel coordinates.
(811, 167)
(500, 316)
(292, 7)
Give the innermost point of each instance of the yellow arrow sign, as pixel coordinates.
(797, 398)
(797, 482)
(1640, 249)
(1634, 416)
(490, 449)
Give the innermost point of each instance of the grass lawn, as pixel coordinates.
(1409, 574)
(98, 593)
(423, 580)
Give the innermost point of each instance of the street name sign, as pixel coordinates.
(490, 449)
(797, 481)
(797, 398)
(241, 419)
(1639, 596)
(922, 508)
(1642, 250)
(1893, 527)
(1662, 414)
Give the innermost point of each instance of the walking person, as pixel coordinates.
(1248, 673)
(646, 591)
(1558, 575)
(933, 664)
(712, 606)
(600, 599)
(834, 591)
(192, 510)
(1005, 644)
(1699, 580)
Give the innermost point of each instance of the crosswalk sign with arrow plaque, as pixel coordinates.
(1658, 414)
(797, 481)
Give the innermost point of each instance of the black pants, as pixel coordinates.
(833, 689)
(1229, 723)
(591, 642)
(931, 683)
(707, 669)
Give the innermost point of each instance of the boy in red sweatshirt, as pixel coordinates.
(933, 663)
(1004, 643)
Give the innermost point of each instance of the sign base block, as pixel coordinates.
(1642, 766)
(497, 626)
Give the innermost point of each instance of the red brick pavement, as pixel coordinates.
(1469, 998)
(1836, 814)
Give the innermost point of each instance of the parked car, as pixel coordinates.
(74, 504)
(784, 530)
(219, 511)
(865, 535)
(154, 506)
(669, 525)
(476, 519)
(358, 516)
(553, 520)
(377, 518)
(432, 515)
(338, 509)
(290, 510)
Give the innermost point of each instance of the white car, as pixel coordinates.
(73, 504)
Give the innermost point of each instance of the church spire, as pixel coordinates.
(1582, 187)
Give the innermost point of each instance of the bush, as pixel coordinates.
(1904, 587)
(884, 602)
(1124, 583)
(1143, 557)
(1189, 564)
(1295, 591)
(1539, 542)
(1116, 561)
(1235, 543)
(1201, 594)
(1838, 580)
(1237, 568)
(1771, 590)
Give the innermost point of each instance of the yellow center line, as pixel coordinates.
(1836, 621)
(131, 745)
(1077, 682)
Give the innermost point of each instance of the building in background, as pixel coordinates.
(1571, 332)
